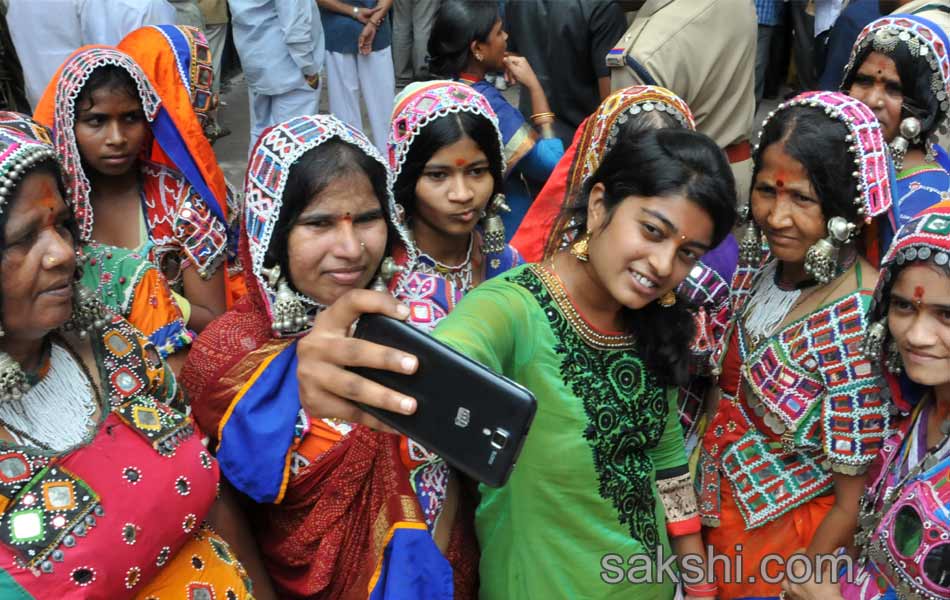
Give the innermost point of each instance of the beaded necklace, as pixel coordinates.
(57, 412)
(591, 337)
(460, 276)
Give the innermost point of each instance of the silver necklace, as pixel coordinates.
(57, 412)
(460, 276)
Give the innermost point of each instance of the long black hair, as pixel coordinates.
(662, 163)
(819, 143)
(457, 24)
(442, 132)
(311, 174)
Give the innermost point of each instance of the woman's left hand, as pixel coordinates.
(365, 42)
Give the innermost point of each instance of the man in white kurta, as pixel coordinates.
(281, 46)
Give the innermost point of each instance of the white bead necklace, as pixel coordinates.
(768, 304)
(57, 411)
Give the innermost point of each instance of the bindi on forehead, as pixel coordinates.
(460, 162)
(780, 178)
(918, 295)
(47, 202)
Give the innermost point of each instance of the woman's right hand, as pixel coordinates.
(327, 388)
(518, 70)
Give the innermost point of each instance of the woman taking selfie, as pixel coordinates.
(604, 462)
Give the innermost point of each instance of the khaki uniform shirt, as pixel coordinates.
(703, 51)
(929, 9)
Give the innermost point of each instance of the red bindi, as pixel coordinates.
(918, 295)
(780, 178)
(460, 162)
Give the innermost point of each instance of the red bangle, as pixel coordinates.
(702, 590)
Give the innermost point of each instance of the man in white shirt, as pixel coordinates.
(46, 32)
(281, 46)
(108, 21)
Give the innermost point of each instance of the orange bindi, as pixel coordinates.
(47, 201)
(460, 162)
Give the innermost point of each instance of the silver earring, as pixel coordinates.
(821, 261)
(387, 270)
(750, 246)
(894, 364)
(89, 314)
(872, 346)
(909, 133)
(13, 381)
(288, 314)
(493, 228)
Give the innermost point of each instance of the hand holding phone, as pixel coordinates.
(327, 389)
(472, 417)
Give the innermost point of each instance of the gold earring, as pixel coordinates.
(478, 57)
(668, 299)
(579, 248)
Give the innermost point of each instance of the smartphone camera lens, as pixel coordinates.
(499, 439)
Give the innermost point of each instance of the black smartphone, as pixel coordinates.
(472, 417)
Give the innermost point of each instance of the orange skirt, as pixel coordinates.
(205, 567)
(781, 537)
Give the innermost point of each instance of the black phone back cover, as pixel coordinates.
(472, 417)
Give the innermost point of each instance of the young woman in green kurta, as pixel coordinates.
(598, 336)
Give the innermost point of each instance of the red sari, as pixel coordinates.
(325, 536)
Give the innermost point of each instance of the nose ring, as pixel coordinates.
(363, 245)
(49, 261)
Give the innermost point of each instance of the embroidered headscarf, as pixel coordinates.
(919, 49)
(149, 46)
(873, 169)
(177, 61)
(268, 170)
(418, 105)
(23, 145)
(57, 108)
(596, 135)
